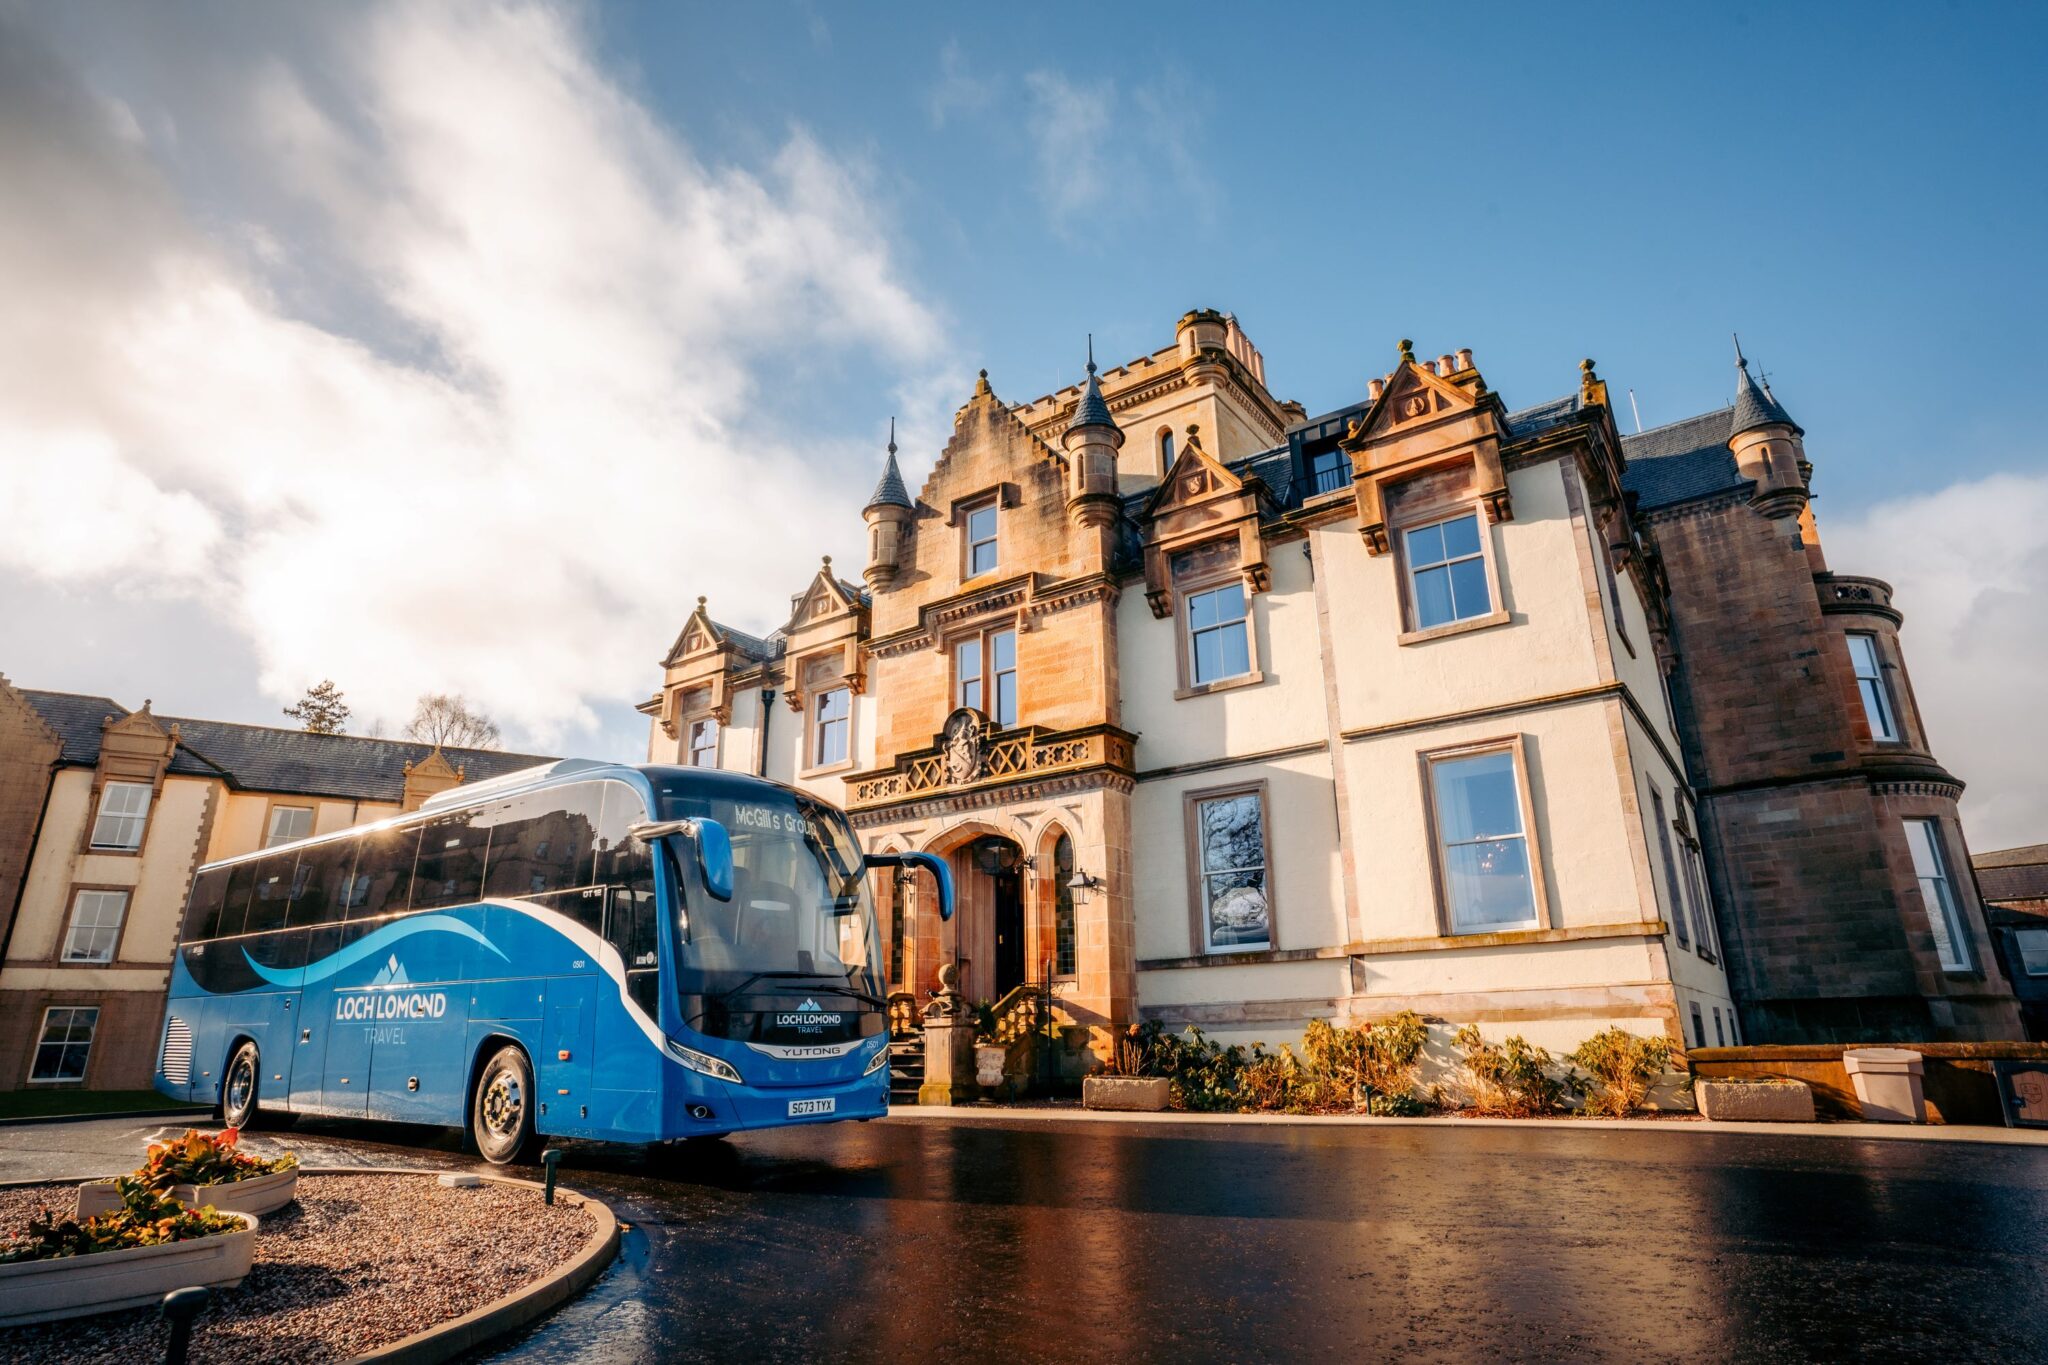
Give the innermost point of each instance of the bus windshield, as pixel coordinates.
(800, 906)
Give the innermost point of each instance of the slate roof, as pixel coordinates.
(1680, 461)
(1090, 410)
(1754, 406)
(268, 758)
(890, 492)
(1541, 418)
(2013, 874)
(753, 646)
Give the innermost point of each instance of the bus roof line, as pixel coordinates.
(464, 792)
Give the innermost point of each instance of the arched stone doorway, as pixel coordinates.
(987, 937)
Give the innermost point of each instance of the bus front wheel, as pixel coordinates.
(501, 1113)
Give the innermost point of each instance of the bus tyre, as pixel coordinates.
(238, 1088)
(501, 1112)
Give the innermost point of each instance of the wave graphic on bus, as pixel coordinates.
(367, 947)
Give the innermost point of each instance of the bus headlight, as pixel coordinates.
(878, 1061)
(703, 1063)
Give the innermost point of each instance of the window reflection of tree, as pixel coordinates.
(1234, 870)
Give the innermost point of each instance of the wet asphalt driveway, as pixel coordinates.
(935, 1239)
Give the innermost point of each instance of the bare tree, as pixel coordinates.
(321, 711)
(451, 722)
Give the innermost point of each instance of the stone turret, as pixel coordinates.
(1091, 441)
(888, 515)
(1769, 447)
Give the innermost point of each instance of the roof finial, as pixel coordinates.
(1091, 353)
(1407, 351)
(828, 562)
(700, 604)
(892, 433)
(1740, 363)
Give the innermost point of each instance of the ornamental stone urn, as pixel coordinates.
(948, 1046)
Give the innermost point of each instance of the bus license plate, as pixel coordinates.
(800, 1107)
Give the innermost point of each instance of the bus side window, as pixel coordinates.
(320, 890)
(630, 928)
(273, 892)
(541, 843)
(202, 913)
(450, 870)
(622, 860)
(234, 905)
(383, 876)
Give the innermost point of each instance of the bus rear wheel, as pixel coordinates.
(501, 1112)
(238, 1088)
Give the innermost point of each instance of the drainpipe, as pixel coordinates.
(761, 732)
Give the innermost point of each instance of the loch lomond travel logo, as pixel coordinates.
(386, 998)
(809, 1017)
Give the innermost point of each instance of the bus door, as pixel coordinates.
(567, 1035)
(313, 1022)
(628, 1071)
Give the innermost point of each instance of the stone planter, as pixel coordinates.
(1755, 1101)
(258, 1194)
(988, 1064)
(1139, 1094)
(1887, 1081)
(72, 1286)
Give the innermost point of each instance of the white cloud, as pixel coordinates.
(1099, 154)
(1969, 566)
(475, 394)
(958, 90)
(1071, 139)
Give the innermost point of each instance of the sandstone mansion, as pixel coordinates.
(1231, 715)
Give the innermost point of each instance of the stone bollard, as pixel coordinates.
(948, 1046)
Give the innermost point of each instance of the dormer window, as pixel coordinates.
(123, 816)
(981, 539)
(1328, 470)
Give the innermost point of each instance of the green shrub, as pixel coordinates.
(1339, 1070)
(1622, 1067)
(146, 1218)
(1366, 1063)
(1135, 1051)
(1511, 1079)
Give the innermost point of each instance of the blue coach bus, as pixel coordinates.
(629, 954)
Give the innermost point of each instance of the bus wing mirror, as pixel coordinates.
(714, 849)
(714, 858)
(930, 862)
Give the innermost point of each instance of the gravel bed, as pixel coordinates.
(356, 1262)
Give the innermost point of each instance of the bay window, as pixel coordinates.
(1938, 894)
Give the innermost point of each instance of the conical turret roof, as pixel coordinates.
(890, 492)
(1754, 405)
(1091, 411)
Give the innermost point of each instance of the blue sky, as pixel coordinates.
(1861, 194)
(459, 347)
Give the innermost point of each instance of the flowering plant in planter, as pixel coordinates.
(146, 1218)
(202, 1159)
